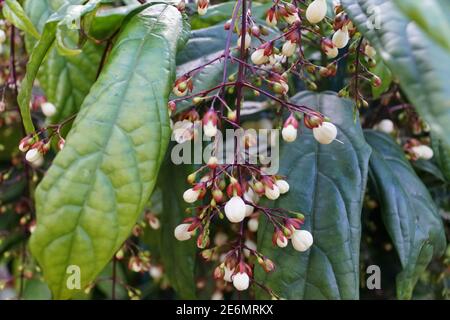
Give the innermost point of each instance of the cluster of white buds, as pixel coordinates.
(324, 132)
(301, 240)
(34, 150)
(202, 6)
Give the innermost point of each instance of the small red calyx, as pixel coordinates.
(210, 116)
(291, 121)
(312, 122)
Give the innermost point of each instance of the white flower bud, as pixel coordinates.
(210, 129)
(202, 11)
(272, 193)
(191, 195)
(154, 223)
(156, 272)
(48, 109)
(282, 185)
(248, 41)
(250, 245)
(271, 22)
(253, 224)
(2, 36)
(291, 18)
(386, 126)
(258, 57)
(241, 281)
(316, 11)
(228, 274)
(249, 196)
(370, 51)
(235, 209)
(423, 152)
(341, 37)
(282, 242)
(33, 155)
(288, 48)
(181, 232)
(302, 240)
(289, 133)
(325, 133)
(332, 52)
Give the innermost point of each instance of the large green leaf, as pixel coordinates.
(433, 16)
(421, 66)
(14, 13)
(408, 211)
(66, 80)
(178, 257)
(98, 184)
(327, 185)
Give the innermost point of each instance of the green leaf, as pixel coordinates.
(409, 213)
(431, 15)
(98, 184)
(14, 13)
(178, 257)
(421, 66)
(327, 186)
(441, 156)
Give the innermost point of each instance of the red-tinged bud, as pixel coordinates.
(258, 187)
(202, 241)
(25, 143)
(376, 81)
(227, 25)
(217, 195)
(312, 122)
(219, 272)
(172, 106)
(212, 162)
(209, 121)
(192, 115)
(255, 31)
(182, 86)
(234, 188)
(61, 144)
(181, 6)
(202, 6)
(207, 254)
(268, 265)
(271, 17)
